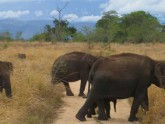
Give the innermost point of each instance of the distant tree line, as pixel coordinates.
(135, 27)
(6, 36)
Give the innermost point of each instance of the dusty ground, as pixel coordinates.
(72, 105)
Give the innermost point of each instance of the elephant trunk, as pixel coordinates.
(8, 93)
(55, 80)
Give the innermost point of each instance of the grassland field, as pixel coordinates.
(35, 100)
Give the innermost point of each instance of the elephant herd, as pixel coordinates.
(110, 78)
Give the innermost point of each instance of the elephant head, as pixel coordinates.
(5, 70)
(160, 73)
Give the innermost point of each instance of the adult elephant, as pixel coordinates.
(71, 67)
(5, 70)
(123, 76)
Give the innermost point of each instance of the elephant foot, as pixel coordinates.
(102, 118)
(69, 94)
(131, 119)
(93, 112)
(80, 117)
(89, 115)
(82, 95)
(109, 116)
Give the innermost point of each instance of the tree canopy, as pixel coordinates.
(136, 27)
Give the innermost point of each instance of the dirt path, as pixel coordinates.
(72, 105)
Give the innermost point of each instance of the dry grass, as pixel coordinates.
(35, 99)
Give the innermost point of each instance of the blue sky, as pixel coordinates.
(76, 10)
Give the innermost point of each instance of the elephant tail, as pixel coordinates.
(90, 79)
(115, 102)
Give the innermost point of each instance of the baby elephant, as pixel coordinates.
(107, 108)
(72, 67)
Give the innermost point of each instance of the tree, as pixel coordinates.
(139, 26)
(107, 26)
(135, 27)
(18, 35)
(59, 23)
(48, 33)
(61, 28)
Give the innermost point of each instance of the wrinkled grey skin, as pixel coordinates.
(5, 70)
(72, 67)
(106, 107)
(126, 75)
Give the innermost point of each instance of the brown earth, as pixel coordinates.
(72, 104)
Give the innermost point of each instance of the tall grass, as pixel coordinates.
(36, 101)
(34, 98)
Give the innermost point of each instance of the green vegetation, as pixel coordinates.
(60, 31)
(135, 27)
(5, 36)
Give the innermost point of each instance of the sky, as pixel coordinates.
(76, 10)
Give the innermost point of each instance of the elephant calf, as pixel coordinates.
(72, 67)
(5, 70)
(107, 108)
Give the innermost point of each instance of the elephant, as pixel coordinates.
(6, 68)
(107, 106)
(122, 76)
(72, 67)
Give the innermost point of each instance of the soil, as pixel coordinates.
(72, 104)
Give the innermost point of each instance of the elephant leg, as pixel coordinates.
(1, 89)
(136, 103)
(101, 110)
(114, 104)
(91, 99)
(89, 115)
(91, 111)
(145, 104)
(82, 86)
(107, 108)
(68, 90)
(1, 84)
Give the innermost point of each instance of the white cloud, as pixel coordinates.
(54, 13)
(38, 13)
(12, 14)
(74, 18)
(127, 6)
(71, 17)
(90, 18)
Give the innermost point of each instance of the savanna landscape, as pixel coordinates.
(34, 33)
(36, 101)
